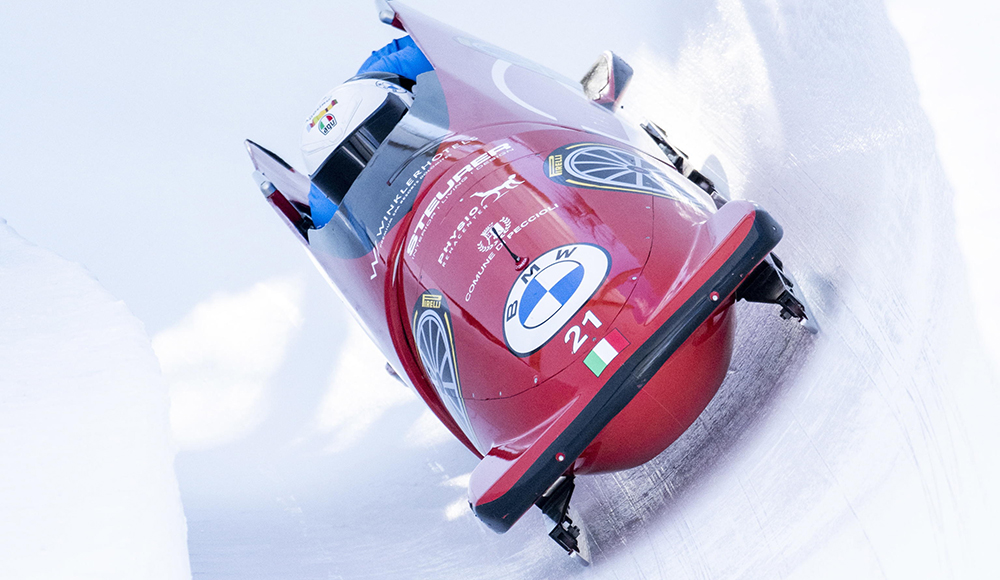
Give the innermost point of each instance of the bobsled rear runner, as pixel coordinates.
(555, 284)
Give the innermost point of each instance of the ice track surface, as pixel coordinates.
(863, 452)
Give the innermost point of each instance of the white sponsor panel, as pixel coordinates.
(550, 291)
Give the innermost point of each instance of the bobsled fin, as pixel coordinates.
(285, 189)
(292, 184)
(770, 283)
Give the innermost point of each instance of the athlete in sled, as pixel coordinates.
(556, 285)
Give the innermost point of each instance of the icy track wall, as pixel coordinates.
(864, 452)
(869, 451)
(87, 486)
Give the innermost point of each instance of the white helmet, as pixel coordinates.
(348, 125)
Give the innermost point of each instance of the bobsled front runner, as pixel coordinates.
(558, 295)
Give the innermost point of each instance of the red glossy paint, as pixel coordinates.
(495, 343)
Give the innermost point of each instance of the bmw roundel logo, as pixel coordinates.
(549, 292)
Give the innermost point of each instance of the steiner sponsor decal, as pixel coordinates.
(458, 178)
(549, 292)
(603, 167)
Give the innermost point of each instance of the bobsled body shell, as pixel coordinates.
(452, 251)
(473, 86)
(609, 330)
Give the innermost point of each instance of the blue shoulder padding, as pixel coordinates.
(401, 57)
(321, 209)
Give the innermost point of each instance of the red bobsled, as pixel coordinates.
(558, 296)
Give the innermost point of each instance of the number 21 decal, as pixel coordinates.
(577, 334)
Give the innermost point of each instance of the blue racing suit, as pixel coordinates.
(401, 57)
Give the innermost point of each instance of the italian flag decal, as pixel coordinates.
(605, 352)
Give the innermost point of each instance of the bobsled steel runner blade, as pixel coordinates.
(583, 552)
(808, 321)
(770, 283)
(546, 460)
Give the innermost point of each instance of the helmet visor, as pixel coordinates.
(340, 170)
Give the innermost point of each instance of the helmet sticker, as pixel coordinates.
(326, 123)
(319, 113)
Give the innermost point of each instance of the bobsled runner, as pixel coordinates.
(555, 284)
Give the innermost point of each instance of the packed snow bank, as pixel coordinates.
(87, 486)
(219, 359)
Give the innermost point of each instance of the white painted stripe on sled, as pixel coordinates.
(499, 70)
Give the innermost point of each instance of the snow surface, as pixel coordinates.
(956, 65)
(87, 485)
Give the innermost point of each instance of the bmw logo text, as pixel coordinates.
(549, 292)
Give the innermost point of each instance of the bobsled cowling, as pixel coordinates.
(544, 411)
(557, 296)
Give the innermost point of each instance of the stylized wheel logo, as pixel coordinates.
(435, 352)
(615, 168)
